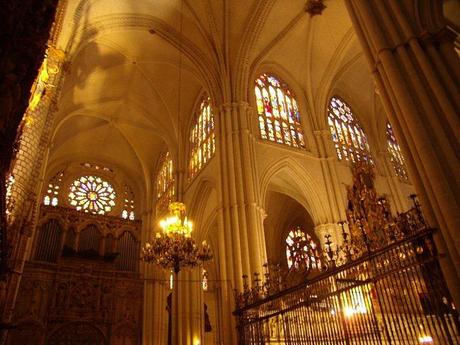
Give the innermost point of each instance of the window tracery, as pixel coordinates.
(92, 194)
(128, 204)
(202, 138)
(52, 193)
(301, 249)
(396, 157)
(278, 112)
(349, 139)
(204, 280)
(166, 183)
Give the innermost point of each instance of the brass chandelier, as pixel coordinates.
(174, 248)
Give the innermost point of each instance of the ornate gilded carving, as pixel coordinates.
(54, 296)
(79, 296)
(370, 226)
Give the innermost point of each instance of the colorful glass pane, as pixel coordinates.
(92, 194)
(202, 137)
(165, 183)
(278, 114)
(308, 252)
(52, 192)
(348, 136)
(128, 204)
(396, 157)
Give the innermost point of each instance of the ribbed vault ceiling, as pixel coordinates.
(119, 102)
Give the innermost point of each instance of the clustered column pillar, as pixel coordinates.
(240, 208)
(412, 58)
(240, 217)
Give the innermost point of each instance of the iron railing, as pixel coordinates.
(392, 295)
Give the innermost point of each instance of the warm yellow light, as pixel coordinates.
(425, 339)
(177, 222)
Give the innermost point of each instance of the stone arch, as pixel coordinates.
(109, 23)
(27, 331)
(252, 32)
(202, 215)
(301, 187)
(284, 214)
(77, 333)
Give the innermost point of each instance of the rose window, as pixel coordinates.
(92, 194)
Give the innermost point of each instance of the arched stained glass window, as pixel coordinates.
(301, 249)
(204, 280)
(165, 183)
(52, 192)
(92, 194)
(396, 156)
(128, 204)
(278, 113)
(202, 138)
(348, 136)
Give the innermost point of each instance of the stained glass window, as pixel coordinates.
(166, 183)
(301, 249)
(204, 280)
(202, 138)
(92, 194)
(128, 204)
(52, 192)
(278, 113)
(396, 156)
(96, 167)
(348, 136)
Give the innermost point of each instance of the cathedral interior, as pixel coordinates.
(213, 172)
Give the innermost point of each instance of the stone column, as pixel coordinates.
(156, 290)
(240, 205)
(411, 55)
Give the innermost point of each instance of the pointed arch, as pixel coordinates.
(300, 186)
(202, 215)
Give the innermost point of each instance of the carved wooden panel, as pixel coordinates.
(77, 333)
(52, 296)
(82, 300)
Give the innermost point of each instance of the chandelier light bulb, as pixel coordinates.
(174, 248)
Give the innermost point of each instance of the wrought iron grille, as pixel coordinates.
(395, 295)
(382, 285)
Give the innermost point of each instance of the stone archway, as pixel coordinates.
(77, 333)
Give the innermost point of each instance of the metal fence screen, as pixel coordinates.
(395, 295)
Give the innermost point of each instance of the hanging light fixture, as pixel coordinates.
(173, 247)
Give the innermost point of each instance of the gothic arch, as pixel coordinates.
(26, 331)
(77, 333)
(129, 21)
(199, 212)
(252, 31)
(301, 188)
